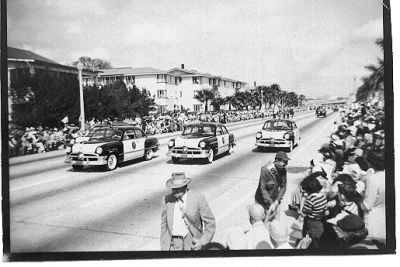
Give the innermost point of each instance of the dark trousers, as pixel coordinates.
(315, 229)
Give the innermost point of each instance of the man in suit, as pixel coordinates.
(187, 222)
(272, 185)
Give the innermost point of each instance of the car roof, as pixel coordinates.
(120, 126)
(279, 120)
(205, 124)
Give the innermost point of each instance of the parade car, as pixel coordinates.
(320, 112)
(109, 146)
(201, 141)
(278, 133)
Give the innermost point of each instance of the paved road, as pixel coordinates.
(53, 208)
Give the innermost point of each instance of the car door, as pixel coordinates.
(223, 140)
(129, 144)
(140, 139)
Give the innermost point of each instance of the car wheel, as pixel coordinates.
(175, 159)
(112, 162)
(148, 155)
(77, 167)
(230, 149)
(210, 157)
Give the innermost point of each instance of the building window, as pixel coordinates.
(162, 108)
(197, 107)
(161, 78)
(196, 80)
(161, 93)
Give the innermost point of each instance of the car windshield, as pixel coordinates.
(105, 135)
(200, 130)
(277, 125)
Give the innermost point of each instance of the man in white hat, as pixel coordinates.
(187, 222)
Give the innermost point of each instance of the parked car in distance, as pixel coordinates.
(201, 141)
(278, 133)
(109, 146)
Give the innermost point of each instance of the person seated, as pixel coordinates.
(236, 239)
(258, 231)
(279, 234)
(314, 210)
(213, 246)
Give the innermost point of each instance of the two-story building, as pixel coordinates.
(173, 89)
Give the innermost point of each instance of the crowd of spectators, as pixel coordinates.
(340, 203)
(341, 200)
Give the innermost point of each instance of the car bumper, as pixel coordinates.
(87, 161)
(276, 143)
(190, 154)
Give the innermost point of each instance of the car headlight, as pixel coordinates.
(286, 136)
(202, 144)
(171, 143)
(258, 135)
(99, 150)
(68, 150)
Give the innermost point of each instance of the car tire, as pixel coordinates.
(175, 159)
(112, 162)
(210, 157)
(148, 154)
(77, 167)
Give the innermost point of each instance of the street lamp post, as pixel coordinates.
(80, 67)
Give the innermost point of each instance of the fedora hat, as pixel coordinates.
(178, 180)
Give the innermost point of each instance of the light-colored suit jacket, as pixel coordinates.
(202, 222)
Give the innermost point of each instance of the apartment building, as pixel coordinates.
(173, 89)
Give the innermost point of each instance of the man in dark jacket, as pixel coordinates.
(272, 185)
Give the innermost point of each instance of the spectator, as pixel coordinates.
(314, 210)
(236, 239)
(258, 232)
(193, 223)
(279, 233)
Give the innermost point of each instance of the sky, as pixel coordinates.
(311, 47)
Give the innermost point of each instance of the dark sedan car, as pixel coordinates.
(320, 112)
(109, 146)
(201, 141)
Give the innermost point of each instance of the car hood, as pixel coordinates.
(86, 148)
(188, 141)
(273, 134)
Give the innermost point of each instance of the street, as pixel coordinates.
(55, 209)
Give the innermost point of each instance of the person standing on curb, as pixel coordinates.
(187, 222)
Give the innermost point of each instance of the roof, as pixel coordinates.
(205, 123)
(131, 71)
(16, 53)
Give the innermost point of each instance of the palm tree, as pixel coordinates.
(302, 98)
(217, 102)
(271, 94)
(205, 95)
(375, 81)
